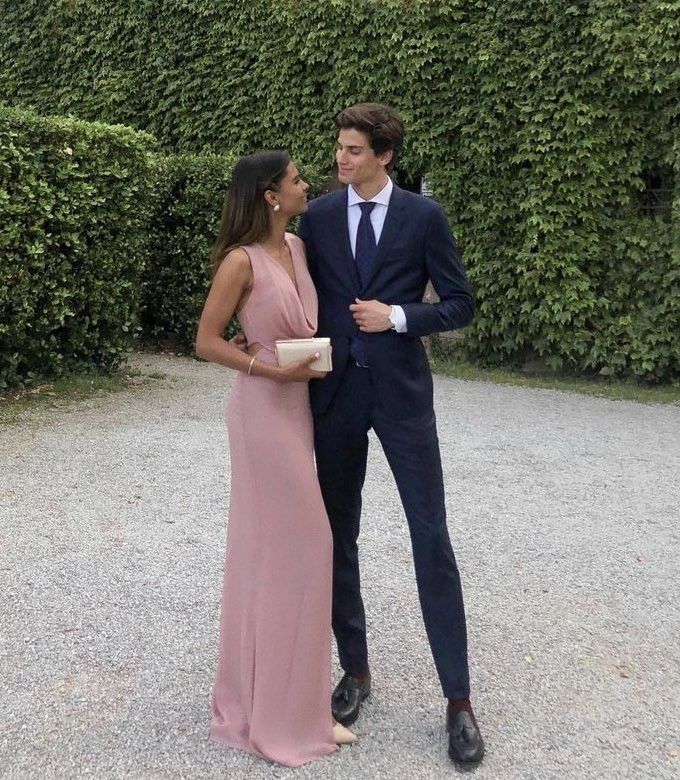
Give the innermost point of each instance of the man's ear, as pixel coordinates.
(386, 157)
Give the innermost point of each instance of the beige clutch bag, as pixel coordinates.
(290, 350)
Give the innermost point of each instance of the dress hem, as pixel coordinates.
(235, 744)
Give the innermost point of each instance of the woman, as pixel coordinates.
(272, 690)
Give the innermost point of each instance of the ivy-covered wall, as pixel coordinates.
(548, 130)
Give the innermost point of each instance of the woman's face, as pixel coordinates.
(292, 193)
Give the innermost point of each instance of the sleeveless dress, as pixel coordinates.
(272, 690)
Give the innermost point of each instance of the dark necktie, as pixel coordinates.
(364, 257)
(365, 250)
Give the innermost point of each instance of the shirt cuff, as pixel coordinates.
(398, 319)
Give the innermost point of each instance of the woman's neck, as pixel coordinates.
(276, 237)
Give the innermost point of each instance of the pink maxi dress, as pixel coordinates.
(272, 689)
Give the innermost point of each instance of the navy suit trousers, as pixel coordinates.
(411, 447)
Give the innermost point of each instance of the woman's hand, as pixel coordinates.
(299, 371)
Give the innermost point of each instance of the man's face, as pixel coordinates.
(357, 162)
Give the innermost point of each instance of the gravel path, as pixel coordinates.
(563, 510)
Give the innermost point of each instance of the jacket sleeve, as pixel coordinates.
(456, 306)
(304, 232)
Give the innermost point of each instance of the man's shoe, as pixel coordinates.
(347, 698)
(466, 745)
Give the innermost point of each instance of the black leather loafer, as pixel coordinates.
(347, 698)
(466, 746)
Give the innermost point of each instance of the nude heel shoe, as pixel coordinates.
(343, 736)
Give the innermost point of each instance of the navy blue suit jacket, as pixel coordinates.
(415, 245)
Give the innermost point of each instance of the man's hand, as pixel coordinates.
(371, 316)
(239, 341)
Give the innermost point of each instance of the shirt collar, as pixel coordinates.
(382, 197)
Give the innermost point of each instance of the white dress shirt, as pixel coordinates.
(378, 214)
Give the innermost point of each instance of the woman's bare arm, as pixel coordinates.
(233, 279)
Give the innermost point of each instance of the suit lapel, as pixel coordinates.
(394, 221)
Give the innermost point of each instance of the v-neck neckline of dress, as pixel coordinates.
(294, 283)
(292, 279)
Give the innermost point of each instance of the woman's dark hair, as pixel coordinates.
(245, 217)
(380, 123)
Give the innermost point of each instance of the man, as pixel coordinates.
(371, 249)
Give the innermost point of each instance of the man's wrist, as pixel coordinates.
(397, 319)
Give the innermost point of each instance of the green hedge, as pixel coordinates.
(189, 191)
(538, 123)
(74, 213)
(101, 239)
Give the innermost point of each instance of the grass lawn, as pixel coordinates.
(604, 388)
(64, 392)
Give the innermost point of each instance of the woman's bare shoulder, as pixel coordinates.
(236, 261)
